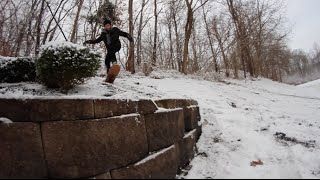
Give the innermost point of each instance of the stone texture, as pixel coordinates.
(175, 103)
(61, 109)
(114, 107)
(14, 109)
(164, 129)
(102, 176)
(39, 110)
(21, 151)
(80, 149)
(161, 165)
(185, 148)
(146, 106)
(191, 117)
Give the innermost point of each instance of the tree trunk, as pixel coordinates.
(154, 51)
(195, 64)
(39, 23)
(187, 31)
(139, 43)
(210, 39)
(171, 46)
(221, 46)
(29, 42)
(75, 24)
(130, 63)
(178, 50)
(235, 64)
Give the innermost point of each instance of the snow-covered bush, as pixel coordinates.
(14, 70)
(64, 65)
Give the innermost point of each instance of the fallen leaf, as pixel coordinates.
(256, 163)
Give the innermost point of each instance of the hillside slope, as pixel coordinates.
(243, 121)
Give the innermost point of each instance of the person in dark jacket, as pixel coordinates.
(110, 37)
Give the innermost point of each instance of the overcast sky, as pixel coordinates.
(305, 17)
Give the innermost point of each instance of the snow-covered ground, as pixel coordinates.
(313, 84)
(243, 121)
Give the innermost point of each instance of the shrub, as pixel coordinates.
(64, 65)
(15, 70)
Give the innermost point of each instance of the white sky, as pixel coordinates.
(305, 17)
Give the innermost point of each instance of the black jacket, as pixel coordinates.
(113, 41)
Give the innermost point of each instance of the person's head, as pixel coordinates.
(107, 24)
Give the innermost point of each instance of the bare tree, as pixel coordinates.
(209, 38)
(139, 33)
(221, 30)
(155, 36)
(174, 11)
(76, 21)
(48, 29)
(192, 6)
(130, 63)
(39, 23)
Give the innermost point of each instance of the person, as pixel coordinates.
(110, 37)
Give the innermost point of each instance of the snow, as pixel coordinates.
(162, 110)
(129, 116)
(240, 120)
(4, 61)
(5, 120)
(59, 44)
(190, 134)
(313, 84)
(153, 156)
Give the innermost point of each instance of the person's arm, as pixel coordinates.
(95, 41)
(127, 35)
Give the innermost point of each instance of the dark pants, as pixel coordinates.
(111, 57)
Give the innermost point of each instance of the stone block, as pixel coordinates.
(60, 109)
(164, 128)
(191, 117)
(16, 110)
(39, 110)
(21, 152)
(199, 132)
(80, 149)
(114, 107)
(186, 148)
(146, 106)
(102, 176)
(175, 103)
(161, 165)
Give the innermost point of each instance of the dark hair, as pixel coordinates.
(107, 21)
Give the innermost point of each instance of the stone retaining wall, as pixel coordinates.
(105, 138)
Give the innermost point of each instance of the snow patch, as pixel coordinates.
(5, 120)
(155, 155)
(127, 116)
(53, 45)
(162, 110)
(190, 134)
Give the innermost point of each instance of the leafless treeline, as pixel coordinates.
(225, 36)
